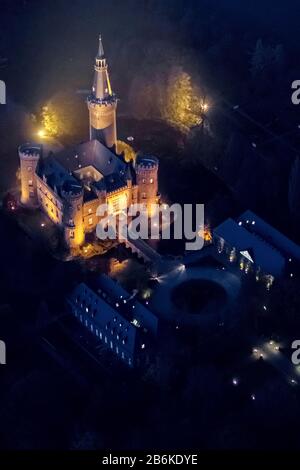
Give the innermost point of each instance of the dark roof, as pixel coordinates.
(271, 235)
(58, 168)
(56, 175)
(104, 315)
(264, 255)
(131, 308)
(92, 153)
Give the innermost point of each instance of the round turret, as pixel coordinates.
(72, 193)
(146, 168)
(29, 155)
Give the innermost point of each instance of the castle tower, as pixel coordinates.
(146, 168)
(29, 157)
(72, 194)
(102, 104)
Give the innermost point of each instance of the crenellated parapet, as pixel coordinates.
(29, 155)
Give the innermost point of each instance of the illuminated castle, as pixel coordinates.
(70, 185)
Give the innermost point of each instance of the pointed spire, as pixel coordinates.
(101, 86)
(100, 54)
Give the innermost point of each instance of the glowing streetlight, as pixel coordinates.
(41, 133)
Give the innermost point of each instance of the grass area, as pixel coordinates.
(194, 295)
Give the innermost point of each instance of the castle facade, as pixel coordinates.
(70, 185)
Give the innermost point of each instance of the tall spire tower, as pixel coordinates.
(102, 103)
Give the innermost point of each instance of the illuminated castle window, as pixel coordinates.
(30, 183)
(90, 220)
(151, 180)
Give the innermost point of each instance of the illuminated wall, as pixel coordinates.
(49, 201)
(29, 158)
(118, 201)
(90, 219)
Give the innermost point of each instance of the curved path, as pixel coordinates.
(161, 300)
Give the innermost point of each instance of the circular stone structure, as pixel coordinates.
(197, 296)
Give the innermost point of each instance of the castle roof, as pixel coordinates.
(58, 168)
(92, 153)
(56, 175)
(111, 182)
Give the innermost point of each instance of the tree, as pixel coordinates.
(183, 104)
(50, 120)
(129, 153)
(63, 115)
